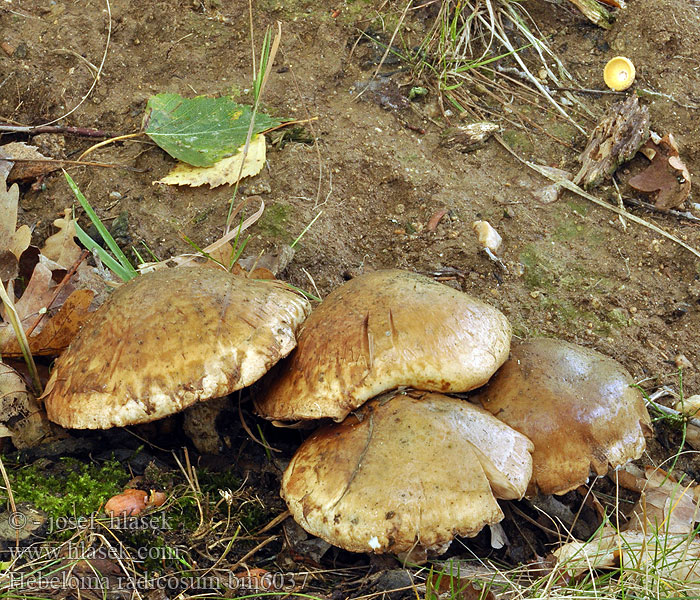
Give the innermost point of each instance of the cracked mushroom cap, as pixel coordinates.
(577, 407)
(404, 473)
(168, 339)
(380, 331)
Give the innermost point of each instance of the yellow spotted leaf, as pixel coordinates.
(226, 170)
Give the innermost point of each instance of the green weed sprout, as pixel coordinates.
(117, 262)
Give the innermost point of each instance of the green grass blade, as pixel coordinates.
(301, 235)
(138, 256)
(109, 261)
(126, 266)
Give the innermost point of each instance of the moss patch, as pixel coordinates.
(71, 488)
(274, 222)
(518, 141)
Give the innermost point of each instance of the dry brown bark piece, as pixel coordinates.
(667, 174)
(615, 140)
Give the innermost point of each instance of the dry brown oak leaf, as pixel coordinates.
(666, 174)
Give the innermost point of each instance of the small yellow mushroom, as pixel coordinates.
(619, 73)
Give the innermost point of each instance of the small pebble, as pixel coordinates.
(682, 362)
(115, 196)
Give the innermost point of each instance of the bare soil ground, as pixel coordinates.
(378, 171)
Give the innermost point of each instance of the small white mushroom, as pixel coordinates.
(488, 236)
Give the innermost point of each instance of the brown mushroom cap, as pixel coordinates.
(575, 404)
(406, 472)
(380, 331)
(168, 339)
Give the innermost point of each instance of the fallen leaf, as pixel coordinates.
(61, 247)
(37, 295)
(201, 131)
(667, 174)
(51, 316)
(225, 171)
(16, 241)
(672, 560)
(21, 417)
(57, 331)
(128, 503)
(659, 537)
(665, 505)
(24, 171)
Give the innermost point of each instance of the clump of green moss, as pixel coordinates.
(274, 222)
(519, 141)
(74, 488)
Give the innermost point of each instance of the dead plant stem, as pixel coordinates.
(21, 339)
(572, 187)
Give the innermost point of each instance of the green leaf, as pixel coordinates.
(202, 130)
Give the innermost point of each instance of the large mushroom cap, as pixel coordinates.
(575, 404)
(380, 331)
(406, 473)
(168, 339)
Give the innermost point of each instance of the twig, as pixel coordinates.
(92, 68)
(676, 213)
(79, 131)
(4, 81)
(261, 545)
(576, 90)
(643, 93)
(276, 521)
(665, 391)
(96, 77)
(72, 162)
(572, 187)
(119, 138)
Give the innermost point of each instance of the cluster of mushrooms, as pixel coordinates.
(398, 465)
